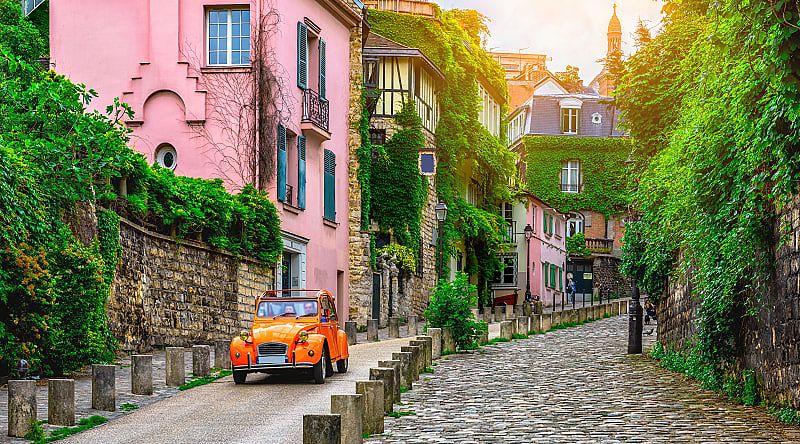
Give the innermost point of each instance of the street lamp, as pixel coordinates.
(528, 236)
(635, 313)
(441, 215)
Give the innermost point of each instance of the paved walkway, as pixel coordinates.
(571, 386)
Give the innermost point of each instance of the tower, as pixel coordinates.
(614, 33)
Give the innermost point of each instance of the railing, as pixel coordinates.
(570, 188)
(315, 109)
(510, 233)
(602, 246)
(413, 7)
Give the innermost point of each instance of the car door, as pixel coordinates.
(330, 325)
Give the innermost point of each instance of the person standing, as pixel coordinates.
(571, 290)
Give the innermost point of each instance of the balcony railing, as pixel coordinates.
(510, 233)
(600, 246)
(570, 188)
(315, 109)
(413, 7)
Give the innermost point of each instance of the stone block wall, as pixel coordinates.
(167, 293)
(607, 277)
(677, 314)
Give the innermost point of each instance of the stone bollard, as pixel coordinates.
(397, 368)
(142, 374)
(201, 360)
(556, 318)
(387, 376)
(413, 328)
(475, 313)
(351, 409)
(487, 315)
(428, 349)
(448, 342)
(499, 313)
(322, 429)
(394, 327)
(536, 323)
(484, 337)
(513, 326)
(61, 402)
(527, 309)
(598, 312)
(506, 330)
(372, 330)
(538, 307)
(623, 308)
(423, 354)
(547, 322)
(374, 397)
(222, 354)
(176, 367)
(436, 347)
(104, 387)
(406, 372)
(607, 310)
(21, 407)
(615, 308)
(523, 326)
(518, 310)
(509, 312)
(351, 328)
(416, 356)
(581, 314)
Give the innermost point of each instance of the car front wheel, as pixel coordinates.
(320, 368)
(239, 377)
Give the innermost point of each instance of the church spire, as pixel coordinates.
(614, 32)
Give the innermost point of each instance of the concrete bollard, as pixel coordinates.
(499, 313)
(483, 337)
(581, 314)
(406, 372)
(513, 326)
(322, 429)
(547, 322)
(373, 394)
(394, 327)
(523, 325)
(518, 310)
(536, 323)
(176, 367)
(423, 355)
(607, 310)
(527, 309)
(415, 359)
(201, 360)
(615, 308)
(506, 330)
(372, 330)
(142, 374)
(475, 313)
(397, 368)
(598, 312)
(556, 318)
(351, 409)
(436, 347)
(412, 326)
(428, 349)
(104, 387)
(487, 315)
(573, 315)
(222, 354)
(351, 329)
(387, 376)
(21, 407)
(61, 402)
(509, 312)
(623, 308)
(448, 342)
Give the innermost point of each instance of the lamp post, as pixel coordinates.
(528, 236)
(635, 321)
(441, 215)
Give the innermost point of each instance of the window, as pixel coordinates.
(301, 172)
(507, 277)
(574, 226)
(330, 186)
(553, 273)
(427, 164)
(508, 212)
(282, 163)
(571, 176)
(377, 136)
(29, 5)
(569, 120)
(308, 42)
(228, 37)
(166, 156)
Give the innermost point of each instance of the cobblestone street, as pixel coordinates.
(567, 386)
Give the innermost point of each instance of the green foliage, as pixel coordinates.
(203, 380)
(450, 307)
(128, 407)
(397, 189)
(65, 432)
(576, 245)
(786, 415)
(405, 256)
(364, 155)
(571, 79)
(519, 336)
(603, 168)
(398, 414)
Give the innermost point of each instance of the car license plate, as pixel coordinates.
(272, 359)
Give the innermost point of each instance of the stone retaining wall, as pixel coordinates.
(170, 293)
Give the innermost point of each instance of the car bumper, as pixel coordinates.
(259, 367)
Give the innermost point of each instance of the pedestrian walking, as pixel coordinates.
(571, 290)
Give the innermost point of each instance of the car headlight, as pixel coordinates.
(303, 336)
(243, 335)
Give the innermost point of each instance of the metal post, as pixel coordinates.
(441, 252)
(528, 271)
(635, 322)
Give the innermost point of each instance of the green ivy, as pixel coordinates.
(450, 307)
(406, 257)
(602, 164)
(576, 245)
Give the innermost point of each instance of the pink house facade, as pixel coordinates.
(253, 91)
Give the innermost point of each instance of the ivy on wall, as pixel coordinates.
(602, 165)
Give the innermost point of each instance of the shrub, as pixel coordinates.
(450, 308)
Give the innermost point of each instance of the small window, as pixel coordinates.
(597, 118)
(569, 120)
(228, 37)
(427, 164)
(377, 136)
(166, 156)
(571, 176)
(508, 275)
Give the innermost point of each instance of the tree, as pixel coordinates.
(642, 35)
(571, 79)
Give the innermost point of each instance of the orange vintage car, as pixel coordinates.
(293, 330)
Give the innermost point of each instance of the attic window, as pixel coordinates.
(597, 118)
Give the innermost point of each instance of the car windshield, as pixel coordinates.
(274, 309)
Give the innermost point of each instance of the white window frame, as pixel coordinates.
(568, 167)
(229, 37)
(513, 284)
(573, 119)
(579, 225)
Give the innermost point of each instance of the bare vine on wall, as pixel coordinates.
(245, 105)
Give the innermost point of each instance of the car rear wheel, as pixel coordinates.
(321, 368)
(341, 365)
(239, 377)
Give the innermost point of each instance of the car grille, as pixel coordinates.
(272, 348)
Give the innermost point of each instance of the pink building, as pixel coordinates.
(252, 91)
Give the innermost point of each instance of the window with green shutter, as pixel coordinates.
(282, 163)
(322, 69)
(551, 224)
(302, 55)
(301, 172)
(560, 278)
(545, 271)
(552, 276)
(330, 186)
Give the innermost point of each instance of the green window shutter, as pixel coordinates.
(551, 224)
(302, 55)
(330, 185)
(560, 279)
(552, 276)
(322, 69)
(281, 163)
(546, 270)
(301, 172)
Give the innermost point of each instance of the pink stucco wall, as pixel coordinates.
(544, 248)
(151, 54)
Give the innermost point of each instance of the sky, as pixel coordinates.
(570, 32)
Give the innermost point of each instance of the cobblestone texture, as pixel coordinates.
(576, 386)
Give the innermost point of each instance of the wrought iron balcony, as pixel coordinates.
(315, 109)
(600, 246)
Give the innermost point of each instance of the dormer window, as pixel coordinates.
(570, 115)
